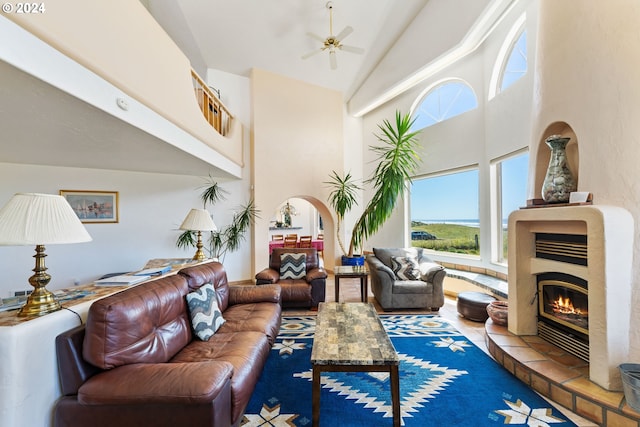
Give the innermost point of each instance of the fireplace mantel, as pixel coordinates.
(609, 232)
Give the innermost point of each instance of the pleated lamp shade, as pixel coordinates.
(198, 220)
(40, 219)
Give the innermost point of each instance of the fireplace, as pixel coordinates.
(590, 265)
(563, 312)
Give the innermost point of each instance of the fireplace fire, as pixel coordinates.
(563, 312)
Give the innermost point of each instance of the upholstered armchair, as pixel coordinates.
(302, 278)
(405, 278)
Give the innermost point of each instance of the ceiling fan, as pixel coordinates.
(333, 43)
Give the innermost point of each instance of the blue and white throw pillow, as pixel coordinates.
(206, 316)
(293, 266)
(405, 268)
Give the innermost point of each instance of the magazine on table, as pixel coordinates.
(120, 280)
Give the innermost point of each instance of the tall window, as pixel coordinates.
(516, 66)
(442, 102)
(444, 212)
(510, 193)
(511, 61)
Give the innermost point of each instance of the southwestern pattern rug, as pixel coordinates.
(445, 380)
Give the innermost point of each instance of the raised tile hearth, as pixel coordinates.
(559, 376)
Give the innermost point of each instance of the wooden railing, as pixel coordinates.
(212, 108)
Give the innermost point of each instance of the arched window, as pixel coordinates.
(511, 62)
(516, 66)
(443, 101)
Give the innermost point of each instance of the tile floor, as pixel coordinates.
(474, 331)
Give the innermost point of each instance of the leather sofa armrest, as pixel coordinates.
(268, 275)
(254, 294)
(315, 273)
(143, 383)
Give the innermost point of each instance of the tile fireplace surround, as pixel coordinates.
(609, 232)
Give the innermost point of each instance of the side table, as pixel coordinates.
(351, 272)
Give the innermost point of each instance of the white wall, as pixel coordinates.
(235, 92)
(297, 139)
(152, 206)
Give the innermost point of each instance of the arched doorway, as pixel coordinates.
(304, 216)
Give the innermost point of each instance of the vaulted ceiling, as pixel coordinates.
(235, 36)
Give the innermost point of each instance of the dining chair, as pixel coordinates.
(290, 242)
(305, 242)
(292, 235)
(320, 236)
(277, 237)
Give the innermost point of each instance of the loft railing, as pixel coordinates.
(212, 108)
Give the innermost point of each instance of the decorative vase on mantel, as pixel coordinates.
(559, 181)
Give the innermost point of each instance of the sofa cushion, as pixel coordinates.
(293, 266)
(209, 272)
(244, 350)
(405, 268)
(312, 260)
(206, 317)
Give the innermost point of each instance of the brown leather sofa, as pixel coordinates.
(305, 292)
(136, 361)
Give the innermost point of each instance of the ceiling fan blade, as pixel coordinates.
(315, 36)
(352, 49)
(344, 33)
(333, 62)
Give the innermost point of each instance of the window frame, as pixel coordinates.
(496, 197)
(408, 229)
(435, 86)
(504, 54)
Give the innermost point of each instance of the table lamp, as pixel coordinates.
(40, 219)
(198, 220)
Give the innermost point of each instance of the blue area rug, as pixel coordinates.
(445, 380)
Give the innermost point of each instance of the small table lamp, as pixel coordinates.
(198, 220)
(40, 219)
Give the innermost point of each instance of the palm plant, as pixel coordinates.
(397, 159)
(342, 198)
(227, 239)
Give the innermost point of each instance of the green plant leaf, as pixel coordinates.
(229, 238)
(342, 198)
(397, 159)
(212, 193)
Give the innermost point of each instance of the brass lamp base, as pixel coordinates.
(40, 301)
(199, 256)
(39, 305)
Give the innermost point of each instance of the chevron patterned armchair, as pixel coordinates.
(300, 274)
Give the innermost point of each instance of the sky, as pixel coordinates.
(455, 196)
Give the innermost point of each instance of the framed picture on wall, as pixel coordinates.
(93, 206)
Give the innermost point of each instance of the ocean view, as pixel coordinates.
(465, 222)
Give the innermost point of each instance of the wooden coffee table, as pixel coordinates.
(349, 337)
(352, 271)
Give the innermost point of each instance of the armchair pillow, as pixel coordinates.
(293, 265)
(206, 316)
(405, 268)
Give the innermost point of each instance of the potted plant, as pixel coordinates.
(342, 198)
(226, 239)
(397, 160)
